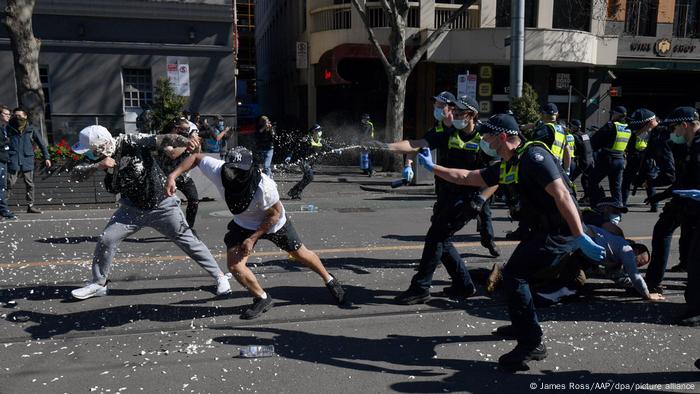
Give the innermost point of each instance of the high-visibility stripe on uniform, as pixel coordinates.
(559, 140)
(505, 176)
(316, 144)
(455, 142)
(572, 145)
(622, 137)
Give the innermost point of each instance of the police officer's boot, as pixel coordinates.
(516, 359)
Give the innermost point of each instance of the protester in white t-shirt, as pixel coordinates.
(253, 199)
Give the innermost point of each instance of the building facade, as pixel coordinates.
(575, 52)
(99, 61)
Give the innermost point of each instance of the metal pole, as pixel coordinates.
(517, 47)
(568, 111)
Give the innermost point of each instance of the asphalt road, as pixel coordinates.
(161, 329)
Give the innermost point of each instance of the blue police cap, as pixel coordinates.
(501, 123)
(682, 114)
(467, 103)
(550, 109)
(639, 118)
(445, 97)
(620, 110)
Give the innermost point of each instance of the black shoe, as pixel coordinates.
(32, 209)
(507, 332)
(491, 246)
(656, 289)
(458, 293)
(678, 268)
(516, 235)
(515, 360)
(412, 296)
(654, 209)
(259, 307)
(690, 320)
(697, 363)
(336, 290)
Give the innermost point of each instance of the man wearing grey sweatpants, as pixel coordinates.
(132, 171)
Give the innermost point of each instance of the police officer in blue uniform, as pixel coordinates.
(639, 166)
(611, 141)
(550, 210)
(456, 205)
(310, 149)
(681, 211)
(582, 163)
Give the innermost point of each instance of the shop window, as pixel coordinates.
(503, 13)
(572, 15)
(641, 17)
(686, 22)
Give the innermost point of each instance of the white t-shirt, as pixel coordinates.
(265, 197)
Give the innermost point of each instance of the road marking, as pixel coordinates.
(363, 249)
(49, 220)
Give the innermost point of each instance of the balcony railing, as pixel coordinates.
(331, 18)
(377, 17)
(469, 19)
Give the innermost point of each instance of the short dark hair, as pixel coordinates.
(20, 109)
(638, 247)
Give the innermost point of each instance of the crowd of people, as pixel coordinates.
(533, 165)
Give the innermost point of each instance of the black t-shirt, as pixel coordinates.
(542, 133)
(537, 168)
(469, 157)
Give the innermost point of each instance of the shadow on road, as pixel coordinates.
(79, 240)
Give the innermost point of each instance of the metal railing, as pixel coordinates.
(331, 18)
(377, 16)
(469, 19)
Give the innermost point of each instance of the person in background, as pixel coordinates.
(265, 144)
(21, 154)
(214, 138)
(5, 114)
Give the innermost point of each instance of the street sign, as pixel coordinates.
(178, 71)
(302, 55)
(506, 42)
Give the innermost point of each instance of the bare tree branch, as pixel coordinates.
(440, 31)
(372, 38)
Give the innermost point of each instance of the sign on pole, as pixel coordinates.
(461, 84)
(179, 75)
(302, 55)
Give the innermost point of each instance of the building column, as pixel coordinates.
(487, 13)
(545, 12)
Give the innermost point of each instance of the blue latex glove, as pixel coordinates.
(591, 249)
(288, 159)
(693, 194)
(408, 174)
(425, 159)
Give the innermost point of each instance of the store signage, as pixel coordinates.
(640, 47)
(563, 81)
(663, 47)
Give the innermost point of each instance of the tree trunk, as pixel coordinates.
(394, 117)
(25, 51)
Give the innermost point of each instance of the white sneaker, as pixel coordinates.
(222, 285)
(91, 290)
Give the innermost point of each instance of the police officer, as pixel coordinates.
(311, 148)
(442, 112)
(680, 210)
(611, 140)
(582, 162)
(550, 210)
(366, 132)
(455, 206)
(5, 115)
(639, 165)
(550, 132)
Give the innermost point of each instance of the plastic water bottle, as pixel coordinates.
(309, 208)
(364, 160)
(257, 351)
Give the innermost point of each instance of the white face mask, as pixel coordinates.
(438, 114)
(615, 219)
(486, 148)
(459, 124)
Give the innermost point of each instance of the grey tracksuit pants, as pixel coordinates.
(167, 218)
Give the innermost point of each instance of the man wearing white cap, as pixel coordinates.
(132, 172)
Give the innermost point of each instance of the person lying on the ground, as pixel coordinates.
(253, 199)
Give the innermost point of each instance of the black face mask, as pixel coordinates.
(239, 186)
(18, 124)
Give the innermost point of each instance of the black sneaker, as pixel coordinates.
(491, 246)
(677, 268)
(458, 293)
(516, 358)
(336, 290)
(259, 307)
(507, 332)
(33, 209)
(412, 296)
(656, 289)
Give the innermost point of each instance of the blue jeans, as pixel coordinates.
(450, 214)
(612, 167)
(4, 209)
(537, 252)
(264, 158)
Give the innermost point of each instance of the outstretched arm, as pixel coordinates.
(186, 165)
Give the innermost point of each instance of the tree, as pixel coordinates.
(526, 108)
(25, 53)
(167, 105)
(396, 64)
